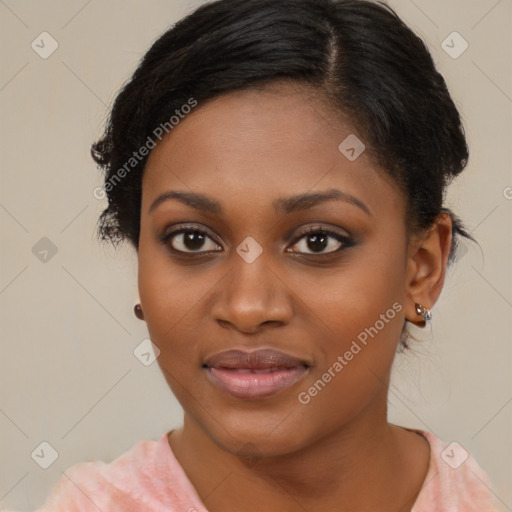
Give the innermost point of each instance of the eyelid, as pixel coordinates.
(324, 229)
(344, 238)
(345, 241)
(183, 228)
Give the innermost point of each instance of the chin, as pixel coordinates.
(258, 433)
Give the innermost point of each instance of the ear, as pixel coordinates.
(426, 267)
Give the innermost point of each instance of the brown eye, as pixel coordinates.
(321, 241)
(190, 241)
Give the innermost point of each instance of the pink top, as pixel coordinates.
(149, 478)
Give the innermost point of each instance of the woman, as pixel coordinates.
(279, 167)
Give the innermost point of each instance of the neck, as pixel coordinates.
(363, 465)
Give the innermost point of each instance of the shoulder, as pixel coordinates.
(454, 480)
(89, 486)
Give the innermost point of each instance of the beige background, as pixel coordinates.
(69, 375)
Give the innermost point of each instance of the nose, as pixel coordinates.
(252, 295)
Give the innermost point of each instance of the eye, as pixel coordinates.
(317, 240)
(189, 240)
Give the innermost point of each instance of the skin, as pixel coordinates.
(337, 452)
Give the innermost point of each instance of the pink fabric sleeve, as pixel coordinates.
(454, 482)
(149, 478)
(146, 478)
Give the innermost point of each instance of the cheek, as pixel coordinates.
(362, 307)
(355, 297)
(168, 299)
(163, 286)
(163, 291)
(173, 300)
(368, 315)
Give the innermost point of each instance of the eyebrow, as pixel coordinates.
(284, 205)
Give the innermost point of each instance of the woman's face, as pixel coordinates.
(245, 275)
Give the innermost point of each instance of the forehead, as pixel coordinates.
(260, 144)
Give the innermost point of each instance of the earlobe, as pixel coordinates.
(426, 269)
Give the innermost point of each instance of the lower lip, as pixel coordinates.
(244, 384)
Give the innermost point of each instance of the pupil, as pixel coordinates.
(315, 239)
(193, 240)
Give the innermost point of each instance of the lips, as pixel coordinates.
(256, 374)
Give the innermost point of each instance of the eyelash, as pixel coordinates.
(346, 241)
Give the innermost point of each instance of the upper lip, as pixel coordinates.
(257, 360)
